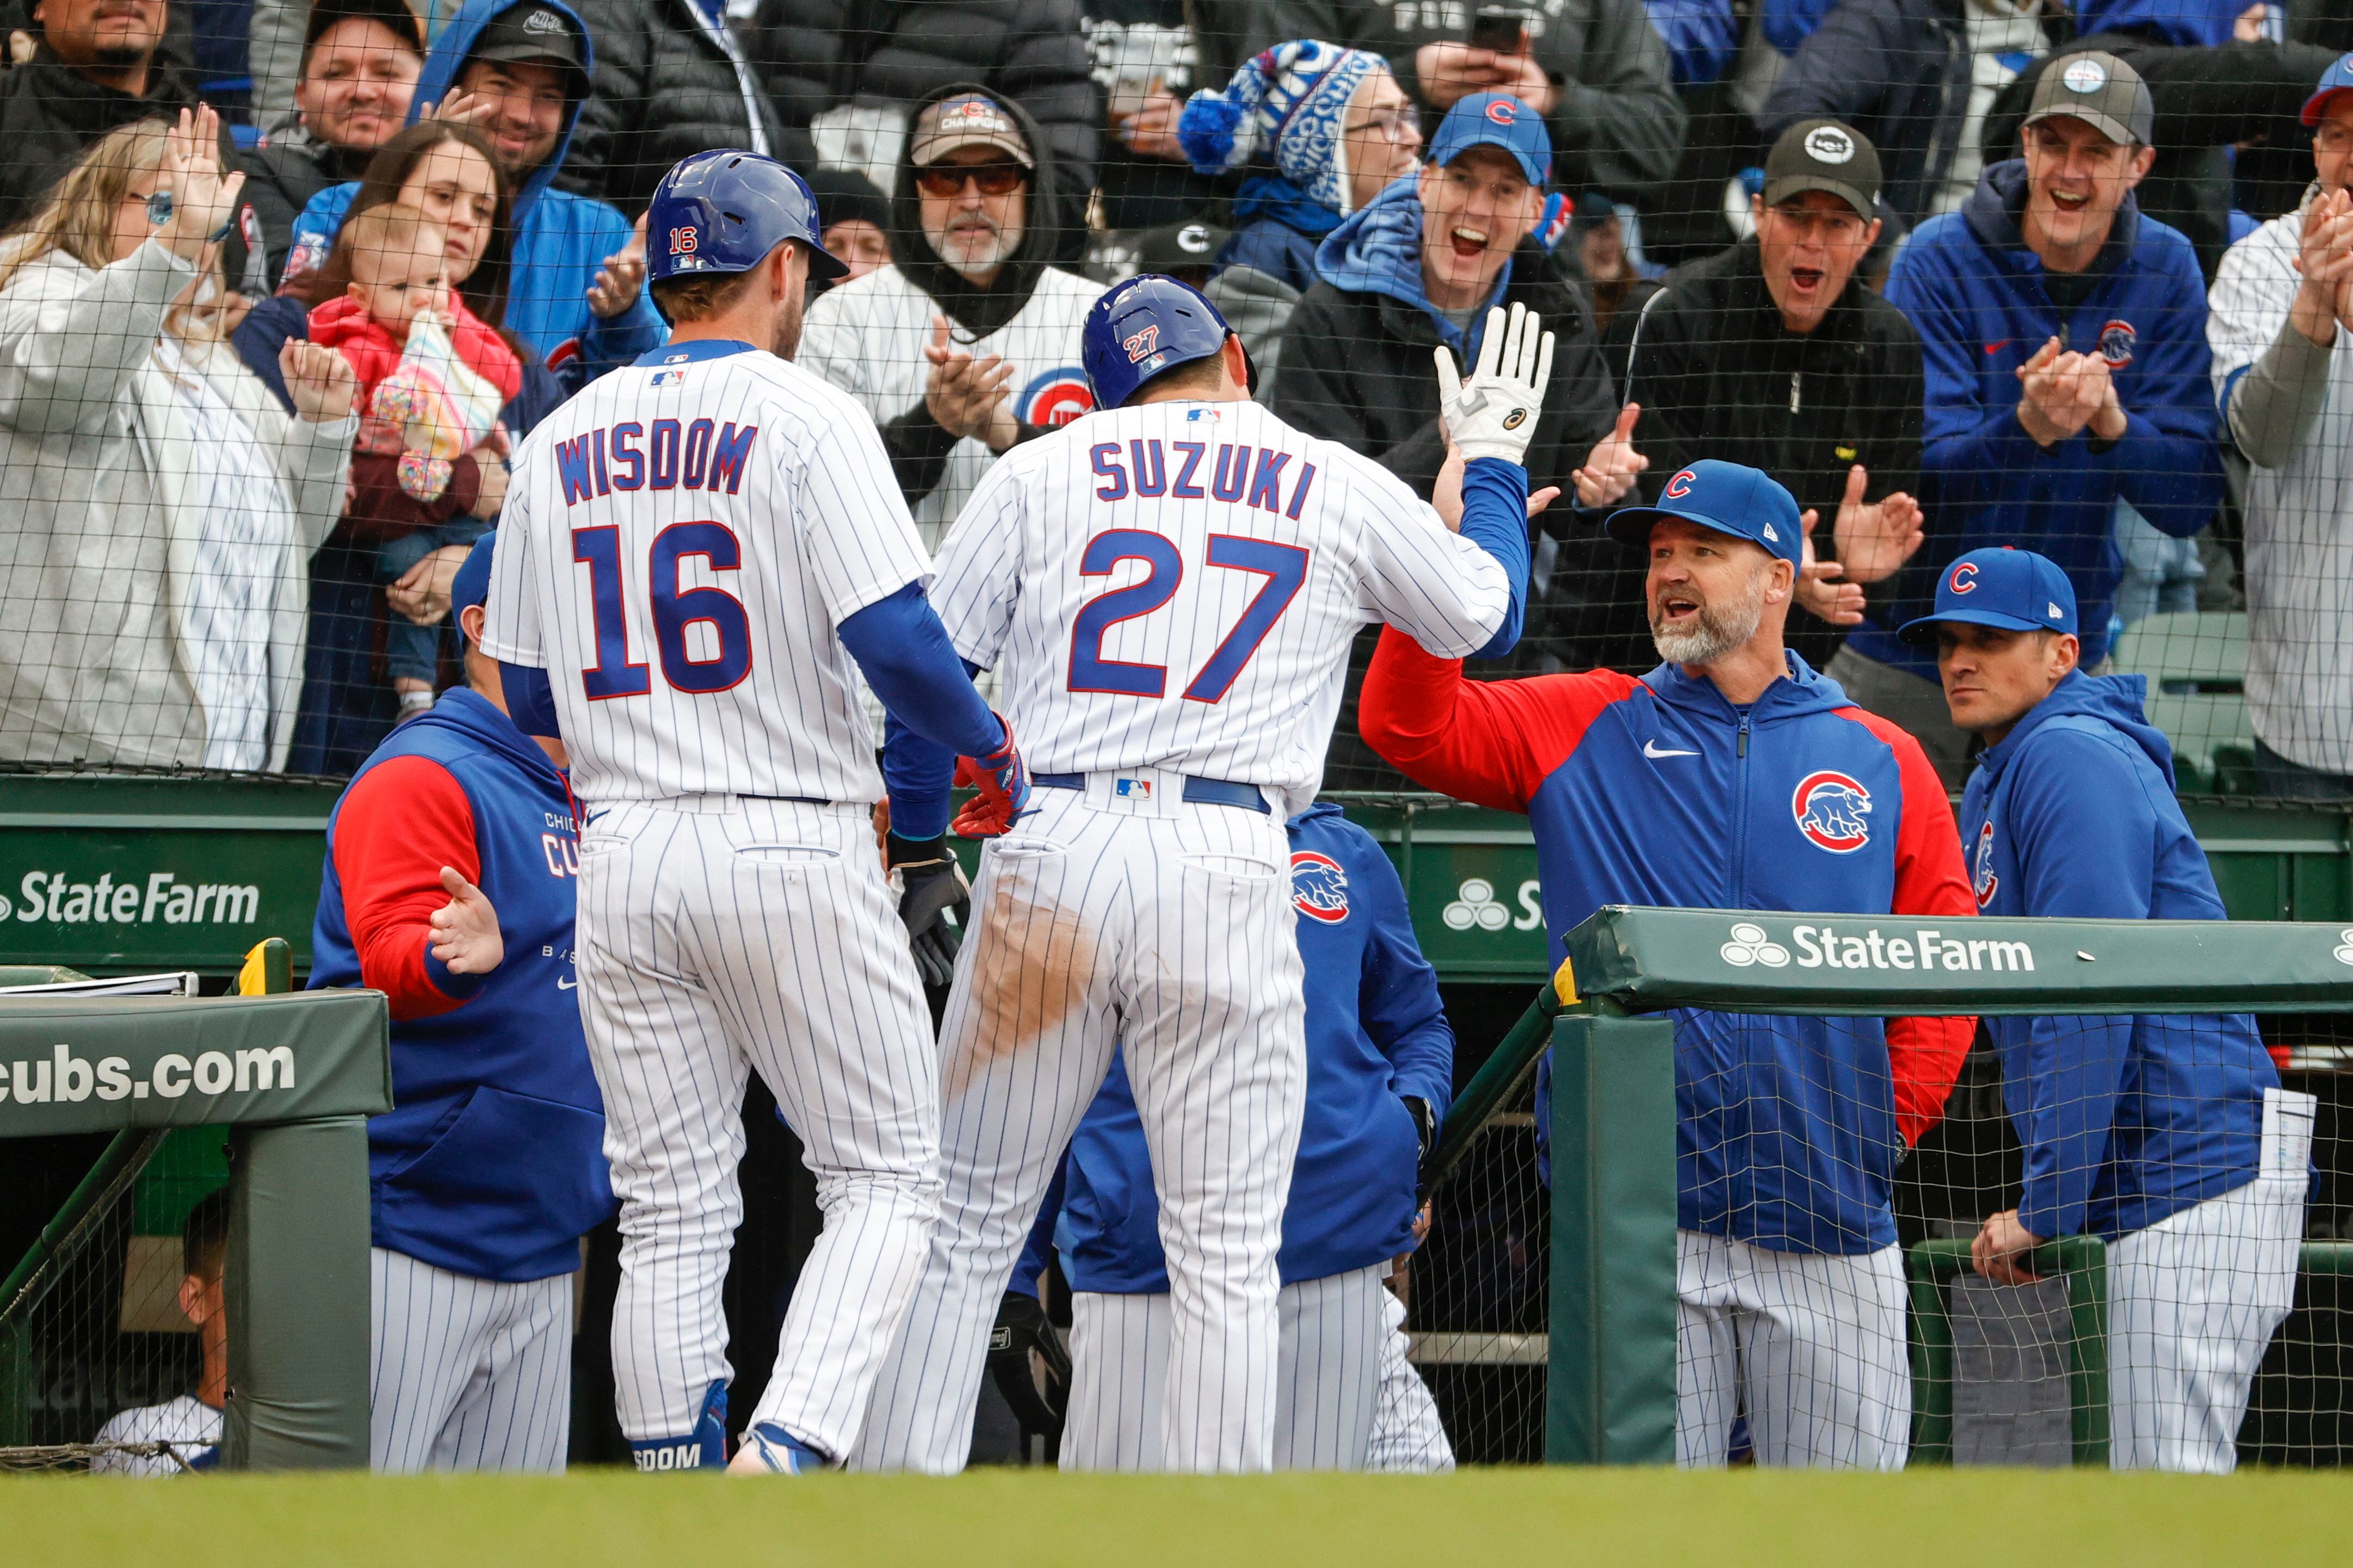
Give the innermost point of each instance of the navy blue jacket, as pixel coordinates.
(1659, 791)
(1977, 298)
(1377, 1035)
(491, 1162)
(2125, 1121)
(1896, 70)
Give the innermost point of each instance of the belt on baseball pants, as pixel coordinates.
(1198, 792)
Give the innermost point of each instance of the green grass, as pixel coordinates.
(1613, 1519)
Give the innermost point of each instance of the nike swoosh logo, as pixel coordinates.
(1997, 348)
(567, 985)
(1651, 750)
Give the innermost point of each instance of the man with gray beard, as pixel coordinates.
(1736, 777)
(969, 342)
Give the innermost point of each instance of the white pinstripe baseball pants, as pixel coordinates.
(1810, 1344)
(1165, 929)
(466, 1374)
(717, 936)
(1327, 1377)
(1409, 1439)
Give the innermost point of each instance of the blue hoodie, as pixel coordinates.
(491, 1161)
(1377, 1035)
(2180, 22)
(1977, 296)
(560, 239)
(1376, 249)
(2128, 1120)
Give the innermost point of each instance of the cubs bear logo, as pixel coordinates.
(1319, 888)
(1982, 877)
(2116, 341)
(1139, 344)
(1831, 810)
(1055, 398)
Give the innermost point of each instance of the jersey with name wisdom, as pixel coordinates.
(1175, 585)
(680, 541)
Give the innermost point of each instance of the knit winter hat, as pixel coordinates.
(1288, 104)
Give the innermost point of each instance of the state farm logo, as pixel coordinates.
(1750, 945)
(2344, 953)
(1908, 948)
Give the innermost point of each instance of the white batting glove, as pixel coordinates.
(1493, 413)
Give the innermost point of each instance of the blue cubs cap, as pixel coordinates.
(2334, 81)
(2016, 590)
(1746, 503)
(724, 210)
(471, 585)
(1495, 119)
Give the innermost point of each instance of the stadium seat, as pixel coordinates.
(2195, 662)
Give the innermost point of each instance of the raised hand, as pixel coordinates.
(1817, 588)
(2325, 257)
(616, 283)
(1874, 537)
(465, 930)
(968, 396)
(1494, 413)
(1152, 130)
(460, 108)
(2059, 391)
(201, 198)
(1446, 495)
(1614, 465)
(319, 380)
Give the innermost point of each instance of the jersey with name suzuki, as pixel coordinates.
(680, 542)
(1376, 1034)
(1200, 550)
(491, 1161)
(2125, 1121)
(1661, 791)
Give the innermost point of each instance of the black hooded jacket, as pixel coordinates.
(665, 89)
(50, 114)
(817, 54)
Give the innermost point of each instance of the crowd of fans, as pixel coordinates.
(285, 282)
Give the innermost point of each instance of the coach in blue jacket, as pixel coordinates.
(2168, 1137)
(448, 887)
(2064, 335)
(1380, 1074)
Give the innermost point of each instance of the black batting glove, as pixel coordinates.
(1031, 1368)
(930, 885)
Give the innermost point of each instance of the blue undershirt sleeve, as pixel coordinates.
(531, 702)
(1496, 518)
(932, 714)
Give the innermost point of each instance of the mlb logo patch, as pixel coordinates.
(666, 378)
(1132, 789)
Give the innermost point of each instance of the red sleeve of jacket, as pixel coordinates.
(398, 826)
(1491, 742)
(1931, 879)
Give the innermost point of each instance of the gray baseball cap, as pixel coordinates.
(2099, 90)
(1824, 155)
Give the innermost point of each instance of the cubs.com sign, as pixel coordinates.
(1909, 948)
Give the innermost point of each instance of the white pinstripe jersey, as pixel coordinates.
(1176, 585)
(679, 541)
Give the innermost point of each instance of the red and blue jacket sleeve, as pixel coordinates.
(1491, 742)
(2084, 836)
(1924, 1055)
(398, 825)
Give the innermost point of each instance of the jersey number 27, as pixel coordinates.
(672, 610)
(1285, 566)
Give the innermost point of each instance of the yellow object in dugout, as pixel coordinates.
(1563, 985)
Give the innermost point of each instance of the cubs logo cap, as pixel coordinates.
(1824, 155)
(2099, 90)
(2334, 81)
(1746, 503)
(1495, 119)
(2015, 590)
(967, 120)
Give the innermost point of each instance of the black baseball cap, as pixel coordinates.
(530, 34)
(393, 13)
(2099, 90)
(1824, 155)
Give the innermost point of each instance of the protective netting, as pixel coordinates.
(105, 1364)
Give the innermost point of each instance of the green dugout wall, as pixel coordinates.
(116, 874)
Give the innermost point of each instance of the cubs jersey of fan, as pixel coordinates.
(1176, 585)
(868, 337)
(1659, 791)
(680, 542)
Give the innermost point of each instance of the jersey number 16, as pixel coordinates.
(672, 608)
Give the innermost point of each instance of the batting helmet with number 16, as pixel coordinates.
(723, 211)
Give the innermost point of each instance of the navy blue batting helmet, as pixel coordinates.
(723, 211)
(1143, 327)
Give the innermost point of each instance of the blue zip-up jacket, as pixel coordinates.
(1659, 791)
(1376, 249)
(2186, 23)
(2125, 1121)
(560, 239)
(1977, 296)
(1377, 1035)
(491, 1161)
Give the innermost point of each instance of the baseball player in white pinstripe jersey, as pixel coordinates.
(1171, 585)
(694, 550)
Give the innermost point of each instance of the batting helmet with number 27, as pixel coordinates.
(1143, 327)
(723, 211)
